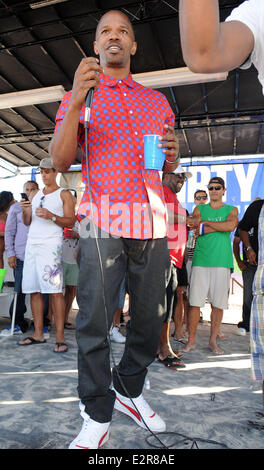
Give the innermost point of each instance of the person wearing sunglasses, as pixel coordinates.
(178, 221)
(212, 262)
(200, 197)
(50, 210)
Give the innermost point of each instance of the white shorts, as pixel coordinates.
(209, 283)
(42, 270)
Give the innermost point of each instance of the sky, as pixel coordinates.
(15, 183)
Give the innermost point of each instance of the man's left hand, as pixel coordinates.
(191, 222)
(252, 257)
(171, 146)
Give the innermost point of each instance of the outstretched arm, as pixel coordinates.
(208, 45)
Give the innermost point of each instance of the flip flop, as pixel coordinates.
(177, 352)
(58, 351)
(172, 362)
(180, 340)
(32, 341)
(69, 326)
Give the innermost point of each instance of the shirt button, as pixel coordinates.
(125, 94)
(136, 133)
(131, 112)
(140, 156)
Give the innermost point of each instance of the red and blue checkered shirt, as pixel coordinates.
(127, 200)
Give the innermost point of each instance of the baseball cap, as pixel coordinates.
(217, 179)
(180, 170)
(46, 163)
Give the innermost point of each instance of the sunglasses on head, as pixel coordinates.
(201, 197)
(216, 188)
(181, 175)
(41, 201)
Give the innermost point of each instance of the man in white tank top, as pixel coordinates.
(50, 210)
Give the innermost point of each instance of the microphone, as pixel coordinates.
(88, 102)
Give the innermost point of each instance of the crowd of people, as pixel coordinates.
(133, 230)
(198, 273)
(62, 272)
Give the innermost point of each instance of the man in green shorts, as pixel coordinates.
(212, 261)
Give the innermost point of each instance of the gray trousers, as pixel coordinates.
(248, 278)
(147, 265)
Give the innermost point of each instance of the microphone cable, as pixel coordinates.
(88, 103)
(194, 441)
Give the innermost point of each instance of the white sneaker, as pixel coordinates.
(143, 412)
(7, 331)
(81, 406)
(241, 331)
(46, 332)
(116, 336)
(93, 435)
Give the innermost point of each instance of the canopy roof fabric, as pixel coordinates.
(42, 47)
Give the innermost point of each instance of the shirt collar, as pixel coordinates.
(112, 82)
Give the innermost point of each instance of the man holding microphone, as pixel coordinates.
(122, 112)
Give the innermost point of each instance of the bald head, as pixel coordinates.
(108, 14)
(115, 43)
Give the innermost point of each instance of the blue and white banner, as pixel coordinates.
(244, 182)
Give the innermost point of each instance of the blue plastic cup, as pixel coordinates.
(153, 155)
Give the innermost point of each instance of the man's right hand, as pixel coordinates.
(85, 78)
(12, 261)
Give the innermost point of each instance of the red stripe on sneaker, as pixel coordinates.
(99, 445)
(130, 409)
(152, 415)
(102, 438)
